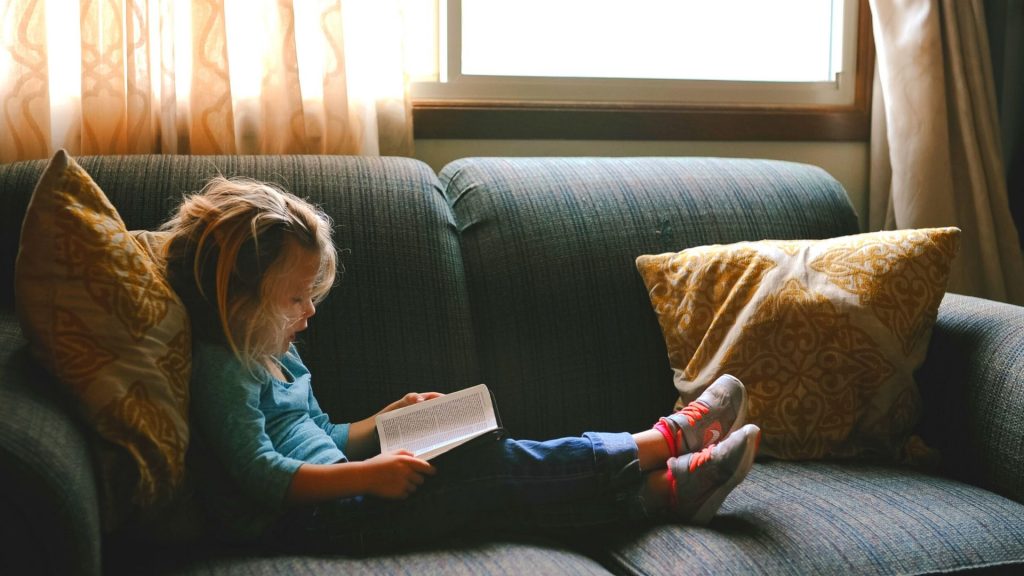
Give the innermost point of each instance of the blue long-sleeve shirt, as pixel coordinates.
(261, 430)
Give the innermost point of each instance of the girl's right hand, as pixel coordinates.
(396, 475)
(410, 399)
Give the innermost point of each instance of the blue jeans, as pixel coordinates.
(568, 484)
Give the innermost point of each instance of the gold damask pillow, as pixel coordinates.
(100, 316)
(826, 334)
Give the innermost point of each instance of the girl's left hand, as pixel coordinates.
(410, 399)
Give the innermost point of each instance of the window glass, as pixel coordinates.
(790, 41)
(678, 52)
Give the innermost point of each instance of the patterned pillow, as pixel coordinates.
(102, 319)
(826, 334)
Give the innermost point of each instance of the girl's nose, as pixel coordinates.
(310, 309)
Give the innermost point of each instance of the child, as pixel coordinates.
(251, 263)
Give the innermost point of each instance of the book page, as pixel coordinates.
(433, 427)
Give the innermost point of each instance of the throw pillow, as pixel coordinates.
(101, 318)
(152, 243)
(826, 334)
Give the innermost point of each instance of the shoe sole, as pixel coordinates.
(710, 507)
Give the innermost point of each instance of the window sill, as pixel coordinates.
(498, 120)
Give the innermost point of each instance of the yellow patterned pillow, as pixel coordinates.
(826, 334)
(102, 319)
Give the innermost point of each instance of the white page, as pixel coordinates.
(433, 427)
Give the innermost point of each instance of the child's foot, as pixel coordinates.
(699, 482)
(715, 414)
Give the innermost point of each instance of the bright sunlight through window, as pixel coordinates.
(788, 41)
(647, 50)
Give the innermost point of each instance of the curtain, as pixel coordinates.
(935, 158)
(202, 77)
(1005, 25)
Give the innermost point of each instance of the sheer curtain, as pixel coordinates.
(936, 157)
(202, 77)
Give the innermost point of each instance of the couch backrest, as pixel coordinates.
(521, 274)
(565, 331)
(398, 319)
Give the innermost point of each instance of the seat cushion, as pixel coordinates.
(465, 557)
(820, 518)
(566, 335)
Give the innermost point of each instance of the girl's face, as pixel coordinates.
(296, 297)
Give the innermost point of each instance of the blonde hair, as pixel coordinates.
(230, 248)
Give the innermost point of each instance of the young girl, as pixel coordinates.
(251, 262)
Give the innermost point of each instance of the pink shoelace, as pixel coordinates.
(696, 461)
(693, 412)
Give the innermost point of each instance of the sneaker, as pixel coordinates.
(699, 482)
(718, 412)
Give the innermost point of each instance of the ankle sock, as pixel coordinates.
(663, 426)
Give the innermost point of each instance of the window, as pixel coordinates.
(655, 39)
(645, 69)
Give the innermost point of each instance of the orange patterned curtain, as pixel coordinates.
(202, 77)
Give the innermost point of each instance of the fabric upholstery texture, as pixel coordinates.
(542, 302)
(46, 475)
(972, 391)
(550, 244)
(392, 228)
(102, 319)
(459, 558)
(821, 518)
(152, 242)
(826, 334)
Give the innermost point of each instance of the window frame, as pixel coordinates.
(517, 119)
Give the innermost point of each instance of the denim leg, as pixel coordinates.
(567, 483)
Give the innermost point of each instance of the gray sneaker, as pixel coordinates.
(701, 480)
(719, 411)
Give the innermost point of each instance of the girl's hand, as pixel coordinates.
(362, 435)
(410, 399)
(397, 474)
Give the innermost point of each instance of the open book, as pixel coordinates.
(431, 428)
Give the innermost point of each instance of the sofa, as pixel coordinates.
(520, 273)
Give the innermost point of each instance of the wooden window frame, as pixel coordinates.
(512, 120)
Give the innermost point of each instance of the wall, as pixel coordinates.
(847, 162)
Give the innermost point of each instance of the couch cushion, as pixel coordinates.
(566, 334)
(819, 518)
(49, 510)
(398, 319)
(464, 557)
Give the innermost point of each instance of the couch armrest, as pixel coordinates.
(49, 516)
(972, 385)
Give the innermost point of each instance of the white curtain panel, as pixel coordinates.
(935, 155)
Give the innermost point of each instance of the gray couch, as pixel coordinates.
(520, 273)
